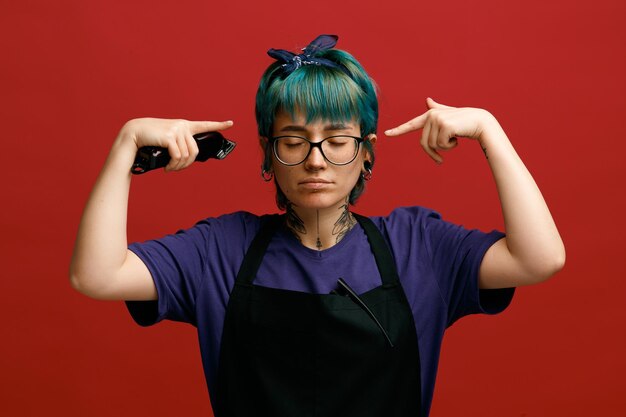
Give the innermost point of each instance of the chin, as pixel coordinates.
(317, 201)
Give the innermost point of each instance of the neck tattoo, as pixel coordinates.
(318, 244)
(294, 222)
(344, 224)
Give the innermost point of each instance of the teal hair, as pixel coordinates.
(321, 93)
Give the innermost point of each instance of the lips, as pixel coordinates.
(314, 181)
(314, 184)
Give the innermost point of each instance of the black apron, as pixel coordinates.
(296, 354)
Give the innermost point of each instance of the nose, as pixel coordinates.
(315, 160)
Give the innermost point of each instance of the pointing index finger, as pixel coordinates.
(411, 125)
(201, 127)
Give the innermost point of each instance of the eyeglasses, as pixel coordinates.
(338, 150)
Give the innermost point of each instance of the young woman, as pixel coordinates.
(320, 311)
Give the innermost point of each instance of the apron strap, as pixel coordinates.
(254, 255)
(382, 254)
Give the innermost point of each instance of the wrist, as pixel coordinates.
(490, 130)
(126, 140)
(124, 148)
(127, 135)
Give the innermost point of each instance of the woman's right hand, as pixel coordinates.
(102, 266)
(176, 135)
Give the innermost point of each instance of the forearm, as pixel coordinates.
(532, 237)
(101, 244)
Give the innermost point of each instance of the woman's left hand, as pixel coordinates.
(532, 250)
(441, 125)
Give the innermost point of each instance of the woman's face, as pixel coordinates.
(316, 183)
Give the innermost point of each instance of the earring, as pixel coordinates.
(266, 175)
(367, 175)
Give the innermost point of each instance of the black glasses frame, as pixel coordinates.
(317, 145)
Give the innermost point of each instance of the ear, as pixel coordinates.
(267, 155)
(263, 142)
(372, 139)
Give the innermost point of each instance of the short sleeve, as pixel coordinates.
(456, 254)
(193, 267)
(177, 265)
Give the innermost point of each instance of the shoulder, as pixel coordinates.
(237, 227)
(406, 229)
(416, 227)
(237, 221)
(242, 220)
(232, 229)
(406, 218)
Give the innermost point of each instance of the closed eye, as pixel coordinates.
(338, 141)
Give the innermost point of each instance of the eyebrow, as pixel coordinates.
(329, 127)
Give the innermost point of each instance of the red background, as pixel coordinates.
(552, 72)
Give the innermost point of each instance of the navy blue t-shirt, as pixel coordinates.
(194, 272)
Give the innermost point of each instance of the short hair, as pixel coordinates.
(321, 93)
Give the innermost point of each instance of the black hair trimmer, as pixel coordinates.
(210, 145)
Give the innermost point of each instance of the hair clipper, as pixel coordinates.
(210, 145)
